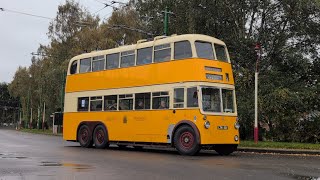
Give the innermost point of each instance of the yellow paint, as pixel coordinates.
(152, 125)
(157, 73)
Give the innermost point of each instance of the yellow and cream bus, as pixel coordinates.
(175, 91)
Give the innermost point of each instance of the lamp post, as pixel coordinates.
(256, 129)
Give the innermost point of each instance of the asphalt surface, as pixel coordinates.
(30, 156)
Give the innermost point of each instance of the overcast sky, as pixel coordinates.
(20, 34)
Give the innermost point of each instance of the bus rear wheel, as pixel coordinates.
(100, 137)
(85, 136)
(185, 141)
(225, 149)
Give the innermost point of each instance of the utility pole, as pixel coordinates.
(63, 77)
(166, 21)
(44, 115)
(256, 129)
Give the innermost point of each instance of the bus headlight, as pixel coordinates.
(236, 125)
(207, 124)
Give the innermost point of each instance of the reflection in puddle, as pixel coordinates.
(72, 165)
(11, 156)
(302, 177)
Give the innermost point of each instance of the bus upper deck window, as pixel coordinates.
(204, 49)
(85, 65)
(182, 50)
(162, 53)
(73, 67)
(98, 63)
(127, 59)
(144, 56)
(221, 52)
(112, 61)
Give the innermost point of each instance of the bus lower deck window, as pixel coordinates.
(160, 100)
(142, 101)
(192, 97)
(96, 103)
(126, 102)
(178, 98)
(83, 104)
(110, 103)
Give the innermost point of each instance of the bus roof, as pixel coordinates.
(144, 43)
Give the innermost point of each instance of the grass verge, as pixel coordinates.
(40, 131)
(280, 145)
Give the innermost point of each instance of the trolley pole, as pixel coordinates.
(256, 129)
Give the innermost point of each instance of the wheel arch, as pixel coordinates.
(188, 123)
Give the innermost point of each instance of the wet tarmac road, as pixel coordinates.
(29, 156)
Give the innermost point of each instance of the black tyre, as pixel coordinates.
(85, 136)
(225, 149)
(185, 141)
(100, 137)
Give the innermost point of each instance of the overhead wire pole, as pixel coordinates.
(166, 20)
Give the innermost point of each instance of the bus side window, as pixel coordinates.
(142, 101)
(85, 65)
(178, 99)
(182, 50)
(73, 67)
(221, 52)
(127, 58)
(160, 100)
(112, 61)
(110, 103)
(126, 102)
(96, 103)
(97, 63)
(83, 104)
(144, 56)
(192, 97)
(162, 53)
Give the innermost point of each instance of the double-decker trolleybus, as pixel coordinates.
(176, 91)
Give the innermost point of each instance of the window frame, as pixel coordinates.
(95, 100)
(90, 70)
(76, 70)
(96, 60)
(137, 55)
(184, 99)
(212, 48)
(106, 64)
(126, 55)
(161, 96)
(174, 49)
(88, 107)
(161, 49)
(126, 98)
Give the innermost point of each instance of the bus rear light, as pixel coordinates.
(236, 138)
(214, 76)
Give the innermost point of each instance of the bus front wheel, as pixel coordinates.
(225, 149)
(85, 137)
(185, 141)
(100, 137)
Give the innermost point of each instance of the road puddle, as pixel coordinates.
(71, 165)
(302, 177)
(11, 156)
